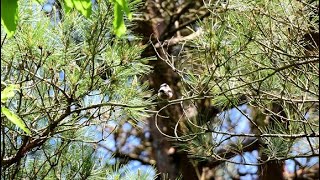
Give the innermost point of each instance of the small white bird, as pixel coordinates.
(165, 92)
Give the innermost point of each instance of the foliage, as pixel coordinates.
(120, 6)
(10, 17)
(83, 6)
(74, 78)
(244, 75)
(7, 93)
(15, 119)
(251, 53)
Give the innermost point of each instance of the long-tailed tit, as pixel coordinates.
(165, 92)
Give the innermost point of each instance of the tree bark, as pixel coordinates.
(169, 161)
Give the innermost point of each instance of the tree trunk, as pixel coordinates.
(169, 161)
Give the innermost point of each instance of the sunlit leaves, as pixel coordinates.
(124, 7)
(9, 13)
(83, 6)
(120, 6)
(15, 119)
(118, 22)
(9, 16)
(8, 92)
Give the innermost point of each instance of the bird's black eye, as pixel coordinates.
(161, 90)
